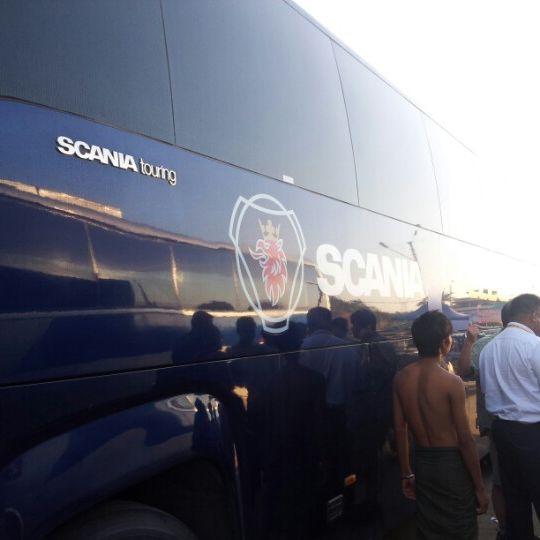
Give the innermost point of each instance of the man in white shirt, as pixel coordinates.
(510, 378)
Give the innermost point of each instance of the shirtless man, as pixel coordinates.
(429, 400)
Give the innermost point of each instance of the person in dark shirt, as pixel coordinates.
(336, 360)
(247, 345)
(202, 342)
(340, 327)
(373, 406)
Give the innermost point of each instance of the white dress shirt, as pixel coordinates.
(510, 374)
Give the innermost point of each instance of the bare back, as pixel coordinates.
(432, 402)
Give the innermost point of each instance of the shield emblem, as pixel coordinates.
(270, 251)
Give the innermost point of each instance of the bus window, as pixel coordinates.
(104, 60)
(459, 185)
(394, 170)
(204, 278)
(44, 261)
(132, 271)
(266, 97)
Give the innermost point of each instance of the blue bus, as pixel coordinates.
(183, 184)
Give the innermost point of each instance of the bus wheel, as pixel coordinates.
(124, 520)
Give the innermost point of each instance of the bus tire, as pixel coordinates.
(125, 520)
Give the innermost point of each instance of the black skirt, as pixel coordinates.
(445, 496)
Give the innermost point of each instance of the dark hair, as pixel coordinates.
(201, 319)
(429, 331)
(524, 304)
(291, 339)
(506, 314)
(246, 327)
(364, 317)
(319, 318)
(340, 327)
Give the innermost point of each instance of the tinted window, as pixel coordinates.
(103, 59)
(204, 278)
(395, 174)
(44, 261)
(132, 271)
(255, 84)
(459, 185)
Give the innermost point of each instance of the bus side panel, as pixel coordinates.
(57, 478)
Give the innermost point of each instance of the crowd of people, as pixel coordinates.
(446, 480)
(331, 378)
(360, 391)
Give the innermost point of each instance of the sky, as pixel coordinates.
(473, 66)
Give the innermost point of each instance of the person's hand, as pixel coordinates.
(407, 485)
(482, 501)
(472, 333)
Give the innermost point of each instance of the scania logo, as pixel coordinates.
(270, 250)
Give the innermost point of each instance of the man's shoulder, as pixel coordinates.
(445, 382)
(489, 343)
(447, 385)
(315, 339)
(448, 378)
(440, 379)
(512, 336)
(323, 339)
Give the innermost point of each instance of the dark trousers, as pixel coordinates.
(518, 445)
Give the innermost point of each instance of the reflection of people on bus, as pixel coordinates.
(340, 327)
(246, 328)
(329, 355)
(281, 341)
(202, 342)
(378, 369)
(293, 451)
(205, 429)
(374, 397)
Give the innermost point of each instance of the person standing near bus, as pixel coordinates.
(510, 378)
(469, 364)
(447, 483)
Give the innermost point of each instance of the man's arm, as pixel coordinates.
(464, 362)
(402, 443)
(466, 443)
